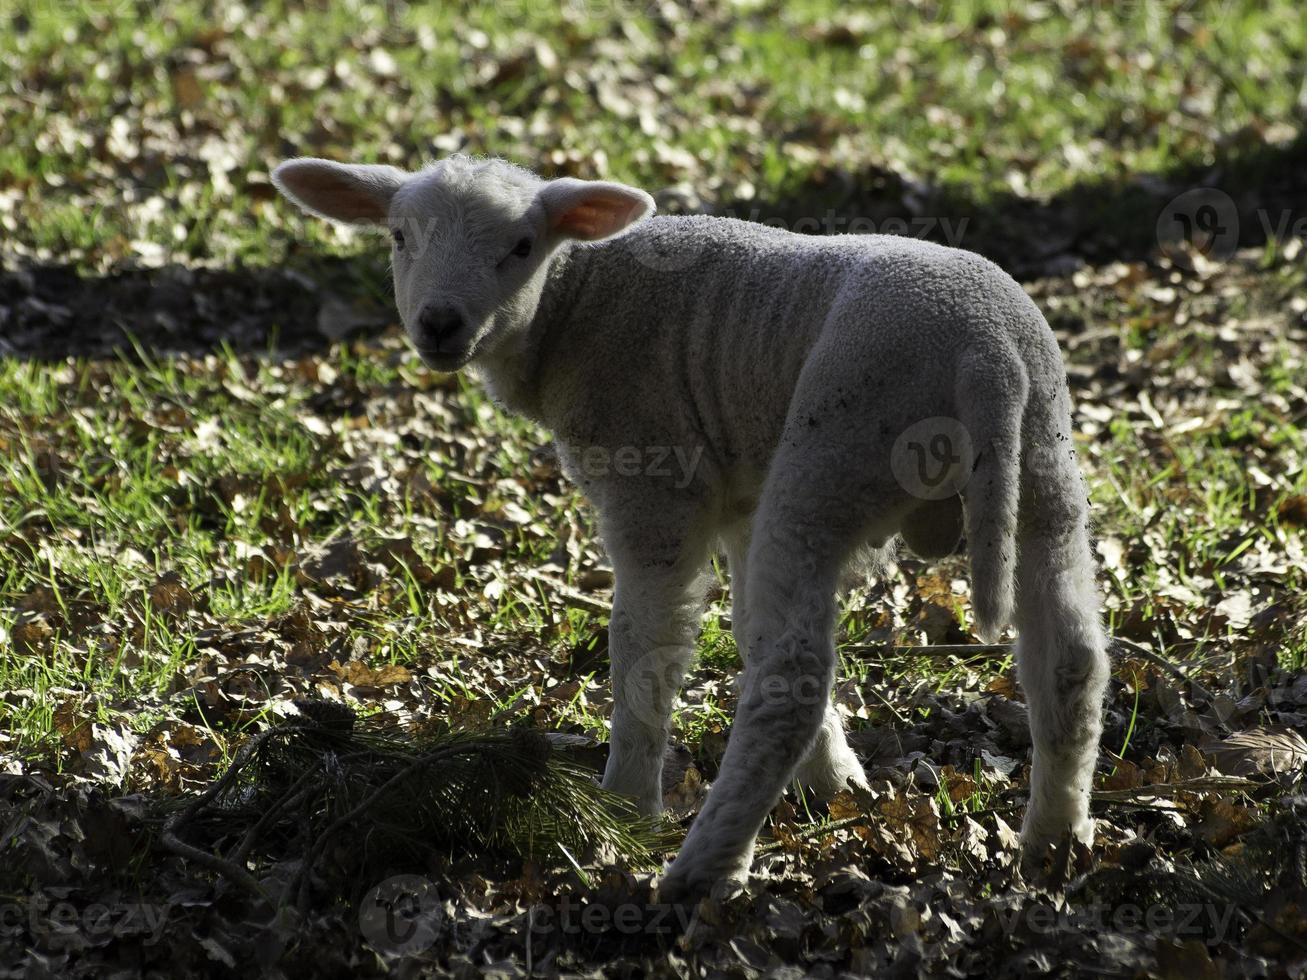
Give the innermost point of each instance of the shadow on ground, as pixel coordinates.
(50, 312)
(1257, 191)
(1248, 195)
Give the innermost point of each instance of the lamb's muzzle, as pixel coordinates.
(439, 323)
(823, 393)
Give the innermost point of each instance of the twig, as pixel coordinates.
(227, 869)
(974, 651)
(297, 885)
(1143, 653)
(1147, 807)
(771, 847)
(987, 812)
(172, 826)
(571, 597)
(893, 709)
(969, 651)
(1200, 784)
(299, 789)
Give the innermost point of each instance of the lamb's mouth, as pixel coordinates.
(444, 360)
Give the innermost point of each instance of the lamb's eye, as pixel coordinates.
(397, 235)
(523, 248)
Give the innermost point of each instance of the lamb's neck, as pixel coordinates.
(511, 374)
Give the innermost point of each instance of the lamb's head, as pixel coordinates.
(471, 240)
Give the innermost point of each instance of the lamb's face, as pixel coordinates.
(470, 239)
(469, 254)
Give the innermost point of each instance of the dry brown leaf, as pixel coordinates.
(1269, 750)
(1222, 821)
(359, 674)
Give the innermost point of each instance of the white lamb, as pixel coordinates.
(831, 392)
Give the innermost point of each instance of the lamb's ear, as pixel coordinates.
(591, 210)
(357, 193)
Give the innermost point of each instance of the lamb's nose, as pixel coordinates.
(439, 322)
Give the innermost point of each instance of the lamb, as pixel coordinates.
(823, 394)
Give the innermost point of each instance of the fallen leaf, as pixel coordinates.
(1270, 750)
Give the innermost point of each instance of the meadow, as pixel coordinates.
(226, 483)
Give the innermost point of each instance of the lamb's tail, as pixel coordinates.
(991, 396)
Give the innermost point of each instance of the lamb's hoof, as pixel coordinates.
(1052, 859)
(687, 887)
(680, 891)
(1038, 833)
(825, 782)
(1033, 859)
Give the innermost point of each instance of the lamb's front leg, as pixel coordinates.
(650, 641)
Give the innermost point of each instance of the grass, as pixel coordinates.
(126, 480)
(219, 476)
(147, 131)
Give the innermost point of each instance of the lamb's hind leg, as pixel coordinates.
(817, 501)
(1061, 650)
(831, 764)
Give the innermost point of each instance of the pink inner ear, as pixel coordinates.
(596, 216)
(338, 196)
